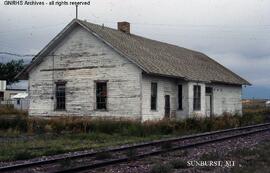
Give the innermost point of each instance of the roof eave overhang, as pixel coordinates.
(232, 83)
(168, 76)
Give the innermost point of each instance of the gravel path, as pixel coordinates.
(222, 148)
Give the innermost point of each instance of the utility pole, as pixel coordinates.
(76, 11)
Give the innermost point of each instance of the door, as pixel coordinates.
(208, 105)
(208, 101)
(1, 96)
(167, 106)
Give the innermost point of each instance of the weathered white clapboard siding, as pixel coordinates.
(191, 97)
(88, 59)
(184, 112)
(227, 98)
(165, 86)
(80, 59)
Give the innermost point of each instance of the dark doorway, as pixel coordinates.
(208, 101)
(1, 96)
(167, 106)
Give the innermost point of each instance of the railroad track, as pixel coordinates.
(102, 158)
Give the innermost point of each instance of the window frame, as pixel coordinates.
(197, 97)
(153, 96)
(57, 107)
(96, 96)
(180, 97)
(208, 90)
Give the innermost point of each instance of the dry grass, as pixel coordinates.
(21, 122)
(63, 134)
(9, 110)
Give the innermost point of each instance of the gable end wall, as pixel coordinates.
(90, 59)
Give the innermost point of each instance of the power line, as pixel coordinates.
(15, 54)
(61, 55)
(32, 28)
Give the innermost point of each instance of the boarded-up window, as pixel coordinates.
(153, 96)
(101, 95)
(180, 99)
(60, 94)
(196, 97)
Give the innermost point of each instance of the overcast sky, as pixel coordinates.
(236, 33)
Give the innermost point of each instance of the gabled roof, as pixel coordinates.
(21, 85)
(155, 57)
(20, 96)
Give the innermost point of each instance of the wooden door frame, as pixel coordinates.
(211, 104)
(165, 108)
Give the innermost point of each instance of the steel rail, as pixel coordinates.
(126, 159)
(140, 145)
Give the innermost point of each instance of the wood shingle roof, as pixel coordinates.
(165, 59)
(155, 57)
